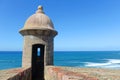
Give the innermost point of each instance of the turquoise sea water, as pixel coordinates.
(98, 59)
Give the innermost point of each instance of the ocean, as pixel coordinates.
(89, 59)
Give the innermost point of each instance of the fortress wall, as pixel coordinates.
(63, 73)
(16, 74)
(59, 73)
(74, 73)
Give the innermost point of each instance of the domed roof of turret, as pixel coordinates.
(38, 21)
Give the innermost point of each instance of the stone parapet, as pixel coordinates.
(58, 73)
(73, 73)
(62, 73)
(16, 74)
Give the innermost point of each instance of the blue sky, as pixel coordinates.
(83, 25)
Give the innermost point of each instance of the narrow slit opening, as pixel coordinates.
(38, 52)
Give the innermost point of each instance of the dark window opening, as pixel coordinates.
(38, 62)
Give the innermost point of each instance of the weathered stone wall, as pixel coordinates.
(38, 38)
(16, 74)
(58, 73)
(63, 73)
(72, 73)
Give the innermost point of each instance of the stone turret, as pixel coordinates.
(39, 34)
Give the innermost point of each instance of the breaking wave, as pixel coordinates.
(110, 63)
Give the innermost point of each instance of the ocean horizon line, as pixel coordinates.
(89, 59)
(69, 51)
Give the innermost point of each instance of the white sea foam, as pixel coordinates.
(110, 63)
(115, 61)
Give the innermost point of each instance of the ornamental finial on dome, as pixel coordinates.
(40, 9)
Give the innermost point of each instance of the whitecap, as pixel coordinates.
(116, 61)
(91, 64)
(110, 63)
